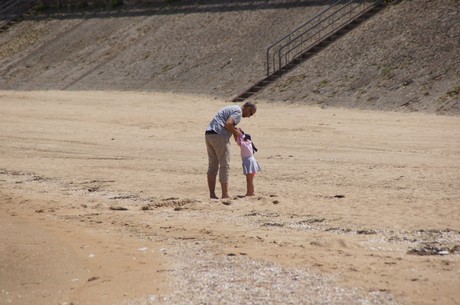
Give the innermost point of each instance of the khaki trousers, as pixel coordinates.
(218, 156)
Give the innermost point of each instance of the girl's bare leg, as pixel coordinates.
(250, 185)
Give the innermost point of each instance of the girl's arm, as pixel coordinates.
(239, 139)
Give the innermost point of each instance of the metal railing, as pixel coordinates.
(317, 29)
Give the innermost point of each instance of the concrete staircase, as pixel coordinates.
(13, 11)
(312, 37)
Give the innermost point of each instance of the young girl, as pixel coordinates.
(250, 164)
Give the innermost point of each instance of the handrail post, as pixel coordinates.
(268, 62)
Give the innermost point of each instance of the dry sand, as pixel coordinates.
(103, 200)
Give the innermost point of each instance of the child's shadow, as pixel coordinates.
(243, 196)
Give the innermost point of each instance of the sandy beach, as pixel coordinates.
(104, 200)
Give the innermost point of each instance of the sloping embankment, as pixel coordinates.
(406, 58)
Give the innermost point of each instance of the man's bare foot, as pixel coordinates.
(213, 196)
(252, 194)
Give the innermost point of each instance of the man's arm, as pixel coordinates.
(230, 126)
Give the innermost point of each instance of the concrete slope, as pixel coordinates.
(405, 58)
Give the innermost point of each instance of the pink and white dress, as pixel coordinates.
(250, 164)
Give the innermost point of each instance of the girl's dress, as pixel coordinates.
(250, 164)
